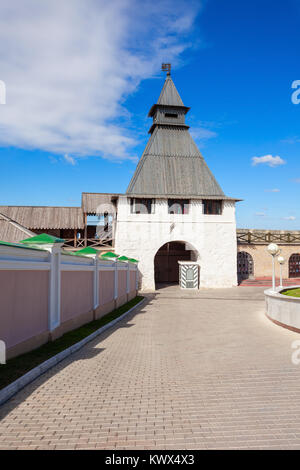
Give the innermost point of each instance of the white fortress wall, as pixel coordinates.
(212, 236)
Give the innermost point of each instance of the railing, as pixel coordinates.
(92, 242)
(265, 237)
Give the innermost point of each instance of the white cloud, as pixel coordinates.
(69, 65)
(296, 180)
(275, 190)
(291, 217)
(69, 159)
(260, 214)
(291, 140)
(201, 134)
(268, 160)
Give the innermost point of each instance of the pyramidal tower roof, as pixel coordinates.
(169, 95)
(172, 164)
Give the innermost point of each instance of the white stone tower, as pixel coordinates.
(174, 209)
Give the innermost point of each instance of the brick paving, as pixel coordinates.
(188, 370)
(267, 282)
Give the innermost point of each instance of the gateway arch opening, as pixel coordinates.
(166, 267)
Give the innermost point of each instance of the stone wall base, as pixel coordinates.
(43, 338)
(131, 295)
(28, 345)
(104, 310)
(283, 325)
(72, 324)
(121, 301)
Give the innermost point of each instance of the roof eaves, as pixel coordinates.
(156, 106)
(184, 196)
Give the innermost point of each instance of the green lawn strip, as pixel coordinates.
(292, 292)
(20, 365)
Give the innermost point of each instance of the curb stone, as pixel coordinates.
(7, 392)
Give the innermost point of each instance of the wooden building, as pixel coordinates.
(69, 223)
(62, 222)
(11, 231)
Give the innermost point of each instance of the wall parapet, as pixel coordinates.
(282, 309)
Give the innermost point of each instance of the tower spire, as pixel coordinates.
(169, 109)
(171, 164)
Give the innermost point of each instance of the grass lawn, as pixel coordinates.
(292, 292)
(18, 366)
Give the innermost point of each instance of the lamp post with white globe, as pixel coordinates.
(281, 261)
(273, 249)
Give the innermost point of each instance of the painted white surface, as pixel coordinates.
(282, 308)
(54, 287)
(213, 237)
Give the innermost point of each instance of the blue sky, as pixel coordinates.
(81, 78)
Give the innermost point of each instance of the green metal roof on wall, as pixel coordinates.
(42, 239)
(109, 255)
(72, 253)
(88, 250)
(123, 258)
(18, 245)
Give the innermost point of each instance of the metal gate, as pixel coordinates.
(166, 266)
(294, 265)
(245, 267)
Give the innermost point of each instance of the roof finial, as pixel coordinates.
(166, 68)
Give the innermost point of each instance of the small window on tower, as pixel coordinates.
(141, 206)
(178, 206)
(171, 115)
(212, 207)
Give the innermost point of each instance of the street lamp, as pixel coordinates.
(281, 261)
(273, 249)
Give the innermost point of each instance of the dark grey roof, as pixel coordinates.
(98, 203)
(172, 142)
(11, 231)
(45, 217)
(169, 95)
(172, 163)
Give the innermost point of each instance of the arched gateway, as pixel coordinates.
(166, 267)
(174, 196)
(245, 266)
(294, 265)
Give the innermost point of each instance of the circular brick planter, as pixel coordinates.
(282, 309)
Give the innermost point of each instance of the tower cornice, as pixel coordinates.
(167, 125)
(157, 106)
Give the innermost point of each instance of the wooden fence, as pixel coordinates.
(266, 237)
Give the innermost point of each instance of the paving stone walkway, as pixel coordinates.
(188, 370)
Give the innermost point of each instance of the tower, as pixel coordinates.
(174, 209)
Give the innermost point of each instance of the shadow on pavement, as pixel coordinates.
(87, 352)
